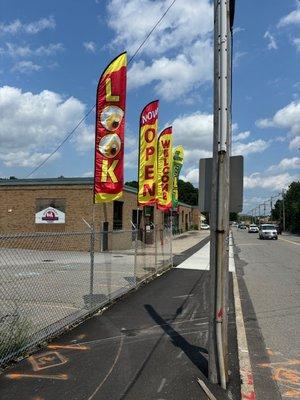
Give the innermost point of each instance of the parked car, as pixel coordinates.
(268, 231)
(278, 228)
(205, 226)
(253, 228)
(242, 226)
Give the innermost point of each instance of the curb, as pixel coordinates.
(247, 384)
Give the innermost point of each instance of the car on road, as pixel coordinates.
(267, 231)
(242, 226)
(205, 226)
(253, 228)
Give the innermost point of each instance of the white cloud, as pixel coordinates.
(287, 118)
(240, 136)
(88, 174)
(296, 43)
(133, 20)
(174, 77)
(90, 46)
(195, 133)
(15, 51)
(280, 139)
(34, 27)
(25, 158)
(180, 47)
(275, 182)
(26, 67)
(86, 140)
(295, 143)
(35, 123)
(293, 18)
(191, 176)
(286, 164)
(272, 45)
(257, 146)
(237, 56)
(238, 29)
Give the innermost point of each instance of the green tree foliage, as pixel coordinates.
(233, 216)
(187, 193)
(133, 184)
(292, 208)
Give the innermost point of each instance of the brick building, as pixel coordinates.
(65, 205)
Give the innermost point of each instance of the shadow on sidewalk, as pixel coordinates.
(191, 351)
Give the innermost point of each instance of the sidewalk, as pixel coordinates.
(152, 344)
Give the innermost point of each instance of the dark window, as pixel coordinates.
(118, 215)
(59, 204)
(182, 214)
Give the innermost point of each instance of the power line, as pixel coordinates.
(67, 137)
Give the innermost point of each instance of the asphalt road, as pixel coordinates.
(269, 281)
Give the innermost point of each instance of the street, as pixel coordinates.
(269, 279)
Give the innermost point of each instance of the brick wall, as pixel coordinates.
(18, 208)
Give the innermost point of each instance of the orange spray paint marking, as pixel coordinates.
(295, 394)
(46, 360)
(61, 377)
(287, 376)
(68, 346)
(270, 352)
(290, 362)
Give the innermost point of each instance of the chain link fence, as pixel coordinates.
(49, 281)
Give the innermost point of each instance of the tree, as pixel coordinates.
(292, 208)
(133, 184)
(187, 193)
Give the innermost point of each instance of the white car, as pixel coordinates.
(253, 228)
(205, 226)
(268, 231)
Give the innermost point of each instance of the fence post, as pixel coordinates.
(135, 254)
(155, 249)
(92, 258)
(171, 238)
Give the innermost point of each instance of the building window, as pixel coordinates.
(118, 215)
(59, 204)
(182, 215)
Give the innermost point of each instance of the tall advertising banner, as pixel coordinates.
(178, 154)
(164, 170)
(148, 154)
(109, 131)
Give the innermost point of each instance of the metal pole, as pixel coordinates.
(271, 206)
(136, 245)
(283, 211)
(92, 257)
(171, 238)
(218, 354)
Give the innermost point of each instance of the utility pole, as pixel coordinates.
(218, 343)
(283, 211)
(264, 209)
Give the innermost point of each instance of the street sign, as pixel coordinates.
(236, 184)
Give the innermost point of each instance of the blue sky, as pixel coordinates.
(52, 54)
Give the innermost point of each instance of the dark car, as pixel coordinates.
(242, 226)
